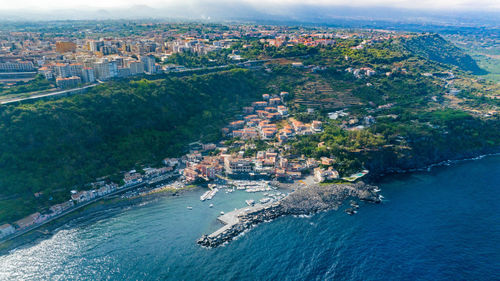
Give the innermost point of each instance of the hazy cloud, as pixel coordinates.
(257, 4)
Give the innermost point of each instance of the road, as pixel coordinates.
(69, 211)
(37, 96)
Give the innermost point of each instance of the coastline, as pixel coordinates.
(12, 242)
(304, 201)
(104, 204)
(244, 219)
(374, 177)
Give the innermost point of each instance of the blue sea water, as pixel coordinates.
(437, 225)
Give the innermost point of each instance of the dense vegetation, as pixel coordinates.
(37, 84)
(436, 48)
(51, 146)
(405, 142)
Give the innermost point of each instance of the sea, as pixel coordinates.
(442, 224)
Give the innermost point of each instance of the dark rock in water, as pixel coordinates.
(304, 201)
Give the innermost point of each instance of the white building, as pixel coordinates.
(6, 230)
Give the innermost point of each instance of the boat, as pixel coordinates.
(354, 204)
(190, 208)
(211, 205)
(222, 213)
(209, 194)
(350, 211)
(250, 202)
(265, 200)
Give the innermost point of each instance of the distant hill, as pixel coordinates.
(436, 48)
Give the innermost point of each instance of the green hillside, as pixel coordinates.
(50, 146)
(434, 47)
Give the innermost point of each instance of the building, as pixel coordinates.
(149, 64)
(62, 70)
(83, 196)
(75, 69)
(317, 126)
(136, 67)
(70, 82)
(6, 229)
(237, 165)
(102, 70)
(321, 175)
(59, 208)
(88, 75)
(46, 72)
(27, 221)
(64, 47)
(18, 66)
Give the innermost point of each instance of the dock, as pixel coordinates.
(232, 218)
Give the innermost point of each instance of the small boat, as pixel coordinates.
(222, 213)
(350, 211)
(265, 200)
(190, 208)
(211, 205)
(354, 204)
(250, 202)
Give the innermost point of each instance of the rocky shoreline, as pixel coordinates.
(305, 201)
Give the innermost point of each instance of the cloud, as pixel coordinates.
(258, 4)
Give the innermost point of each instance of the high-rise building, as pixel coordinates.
(69, 82)
(101, 70)
(136, 67)
(75, 69)
(88, 75)
(149, 64)
(62, 70)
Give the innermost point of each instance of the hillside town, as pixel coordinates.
(254, 149)
(70, 60)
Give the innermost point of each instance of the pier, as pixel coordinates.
(233, 218)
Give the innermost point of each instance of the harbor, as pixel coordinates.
(304, 201)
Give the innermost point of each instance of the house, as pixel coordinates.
(27, 221)
(317, 125)
(259, 104)
(191, 174)
(59, 208)
(282, 110)
(132, 177)
(6, 229)
(237, 124)
(83, 196)
(274, 101)
(284, 95)
(171, 162)
(321, 175)
(271, 109)
(250, 117)
(327, 161)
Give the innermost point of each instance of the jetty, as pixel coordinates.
(304, 201)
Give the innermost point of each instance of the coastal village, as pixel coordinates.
(252, 156)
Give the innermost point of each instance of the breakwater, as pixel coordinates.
(304, 201)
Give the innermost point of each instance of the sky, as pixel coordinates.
(436, 5)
